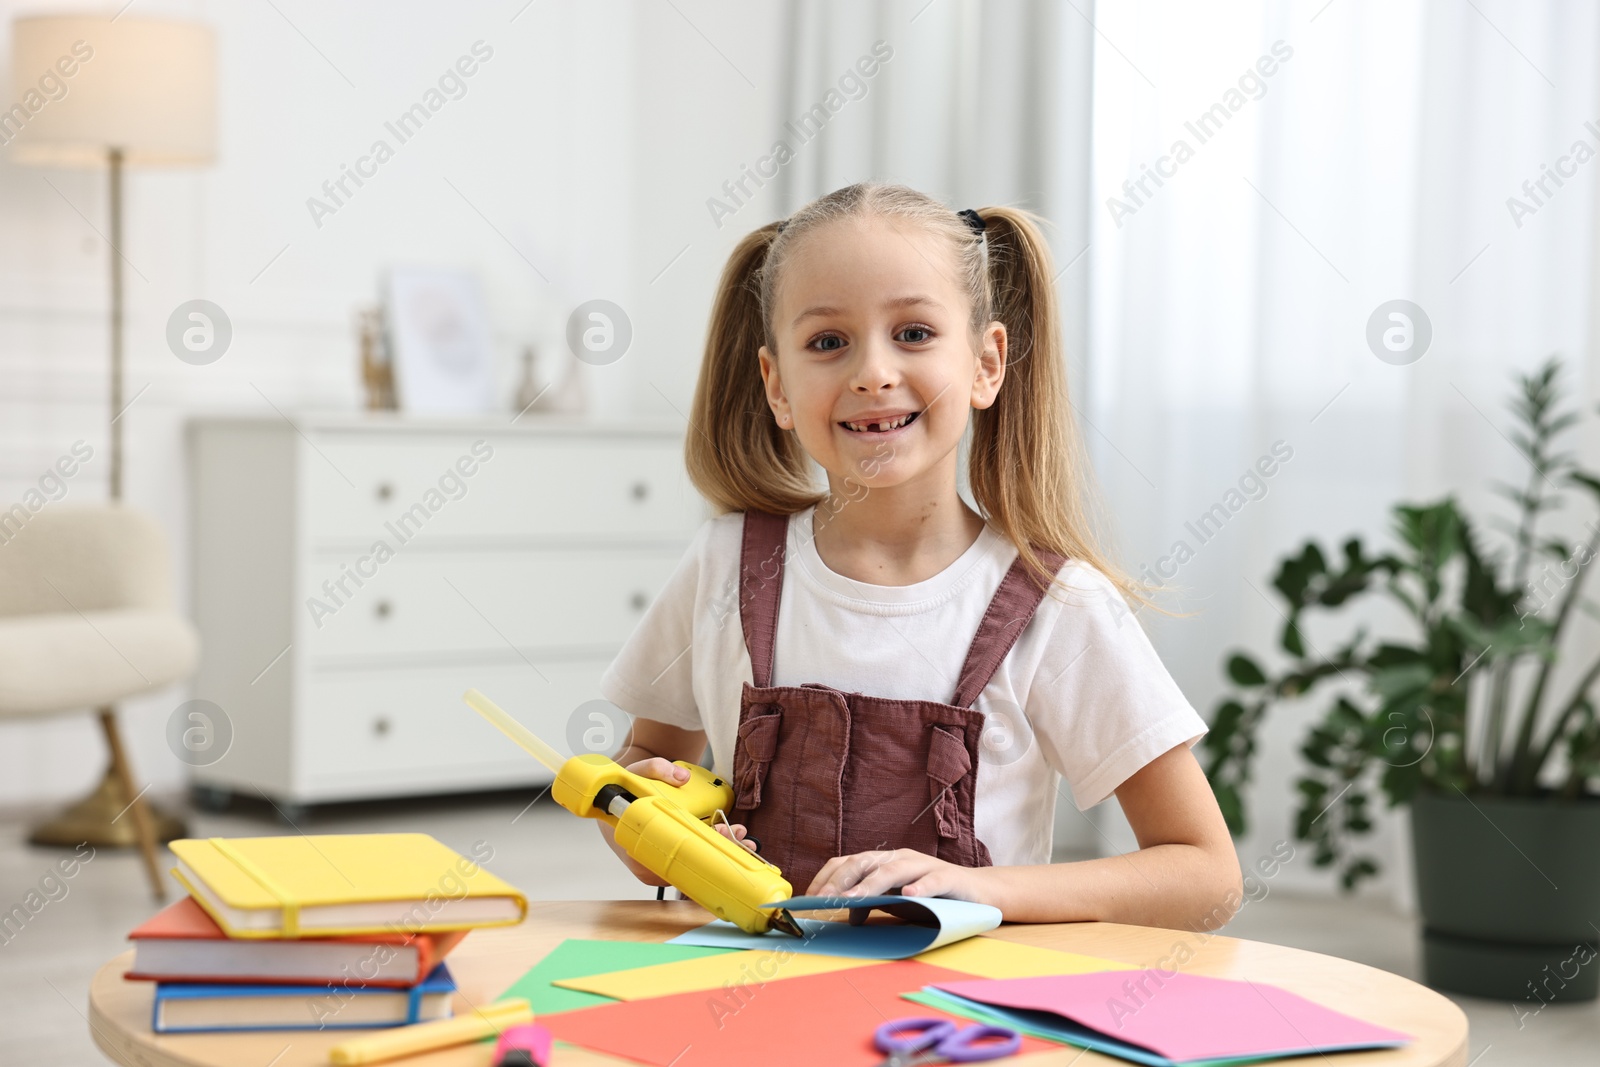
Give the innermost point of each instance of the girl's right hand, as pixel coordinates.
(664, 770)
(661, 770)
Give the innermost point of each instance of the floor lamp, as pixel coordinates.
(97, 90)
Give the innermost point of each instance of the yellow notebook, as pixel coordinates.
(339, 885)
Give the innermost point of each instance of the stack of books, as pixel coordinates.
(338, 931)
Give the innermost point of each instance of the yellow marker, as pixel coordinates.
(663, 827)
(425, 1037)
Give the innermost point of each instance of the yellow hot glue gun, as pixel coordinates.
(664, 827)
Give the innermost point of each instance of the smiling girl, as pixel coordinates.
(898, 683)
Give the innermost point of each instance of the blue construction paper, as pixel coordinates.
(933, 921)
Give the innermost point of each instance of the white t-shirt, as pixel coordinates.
(1081, 696)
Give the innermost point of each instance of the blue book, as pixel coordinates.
(201, 1007)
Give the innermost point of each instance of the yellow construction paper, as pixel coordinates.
(983, 957)
(724, 970)
(990, 957)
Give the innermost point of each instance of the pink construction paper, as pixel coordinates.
(1183, 1016)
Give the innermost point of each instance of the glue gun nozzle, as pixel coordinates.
(782, 920)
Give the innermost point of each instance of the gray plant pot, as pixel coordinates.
(1510, 896)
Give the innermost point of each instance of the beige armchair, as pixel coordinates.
(86, 620)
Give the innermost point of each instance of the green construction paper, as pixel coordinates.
(577, 958)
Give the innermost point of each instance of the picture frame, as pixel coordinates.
(439, 339)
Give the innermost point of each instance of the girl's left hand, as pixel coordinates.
(915, 874)
(736, 833)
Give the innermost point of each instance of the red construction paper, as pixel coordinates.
(1184, 1016)
(816, 1019)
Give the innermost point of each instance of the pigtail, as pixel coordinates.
(737, 456)
(1026, 466)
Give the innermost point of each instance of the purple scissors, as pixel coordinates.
(912, 1041)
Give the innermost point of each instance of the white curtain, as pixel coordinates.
(1368, 158)
(983, 102)
(1338, 156)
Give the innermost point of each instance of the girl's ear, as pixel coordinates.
(774, 388)
(991, 368)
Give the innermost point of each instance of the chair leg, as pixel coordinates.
(136, 806)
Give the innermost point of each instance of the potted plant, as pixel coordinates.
(1460, 718)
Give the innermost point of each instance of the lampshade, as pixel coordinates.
(83, 85)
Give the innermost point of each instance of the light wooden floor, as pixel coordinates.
(45, 968)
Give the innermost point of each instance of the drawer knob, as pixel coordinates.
(383, 609)
(641, 490)
(380, 725)
(639, 601)
(385, 490)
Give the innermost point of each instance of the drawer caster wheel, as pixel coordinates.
(210, 798)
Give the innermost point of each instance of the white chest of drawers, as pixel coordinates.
(353, 575)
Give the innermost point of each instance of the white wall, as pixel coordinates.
(589, 141)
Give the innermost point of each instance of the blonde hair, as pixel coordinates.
(1026, 467)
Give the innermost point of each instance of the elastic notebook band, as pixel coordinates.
(291, 908)
(414, 1001)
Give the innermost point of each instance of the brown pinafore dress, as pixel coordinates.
(819, 772)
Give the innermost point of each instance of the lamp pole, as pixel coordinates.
(116, 324)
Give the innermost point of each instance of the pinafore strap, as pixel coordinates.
(1013, 604)
(760, 586)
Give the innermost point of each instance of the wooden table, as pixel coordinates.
(488, 961)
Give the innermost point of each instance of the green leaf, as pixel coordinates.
(1556, 548)
(1588, 481)
(1293, 642)
(1296, 573)
(1315, 750)
(1312, 789)
(1352, 555)
(1402, 679)
(1227, 716)
(1225, 723)
(1345, 714)
(1356, 871)
(1244, 671)
(1391, 655)
(1430, 530)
